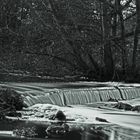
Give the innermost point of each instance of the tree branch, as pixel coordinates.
(127, 18)
(126, 5)
(64, 60)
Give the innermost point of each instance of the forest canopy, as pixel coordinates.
(95, 39)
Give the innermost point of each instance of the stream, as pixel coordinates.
(84, 99)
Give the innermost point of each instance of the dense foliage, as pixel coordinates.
(10, 102)
(88, 38)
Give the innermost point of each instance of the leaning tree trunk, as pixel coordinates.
(108, 59)
(136, 36)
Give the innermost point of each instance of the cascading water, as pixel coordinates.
(40, 93)
(110, 92)
(117, 128)
(81, 96)
(129, 92)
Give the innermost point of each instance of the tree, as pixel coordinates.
(108, 59)
(89, 38)
(136, 36)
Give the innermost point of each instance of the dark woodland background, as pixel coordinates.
(70, 39)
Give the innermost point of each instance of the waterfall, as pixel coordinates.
(42, 93)
(130, 92)
(81, 96)
(110, 92)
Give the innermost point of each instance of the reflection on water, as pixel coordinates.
(89, 132)
(118, 133)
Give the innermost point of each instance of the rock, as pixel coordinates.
(101, 119)
(112, 100)
(60, 116)
(136, 108)
(39, 114)
(124, 106)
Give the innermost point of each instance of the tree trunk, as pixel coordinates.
(108, 59)
(123, 44)
(114, 27)
(136, 36)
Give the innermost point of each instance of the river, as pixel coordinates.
(83, 96)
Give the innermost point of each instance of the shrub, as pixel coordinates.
(10, 101)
